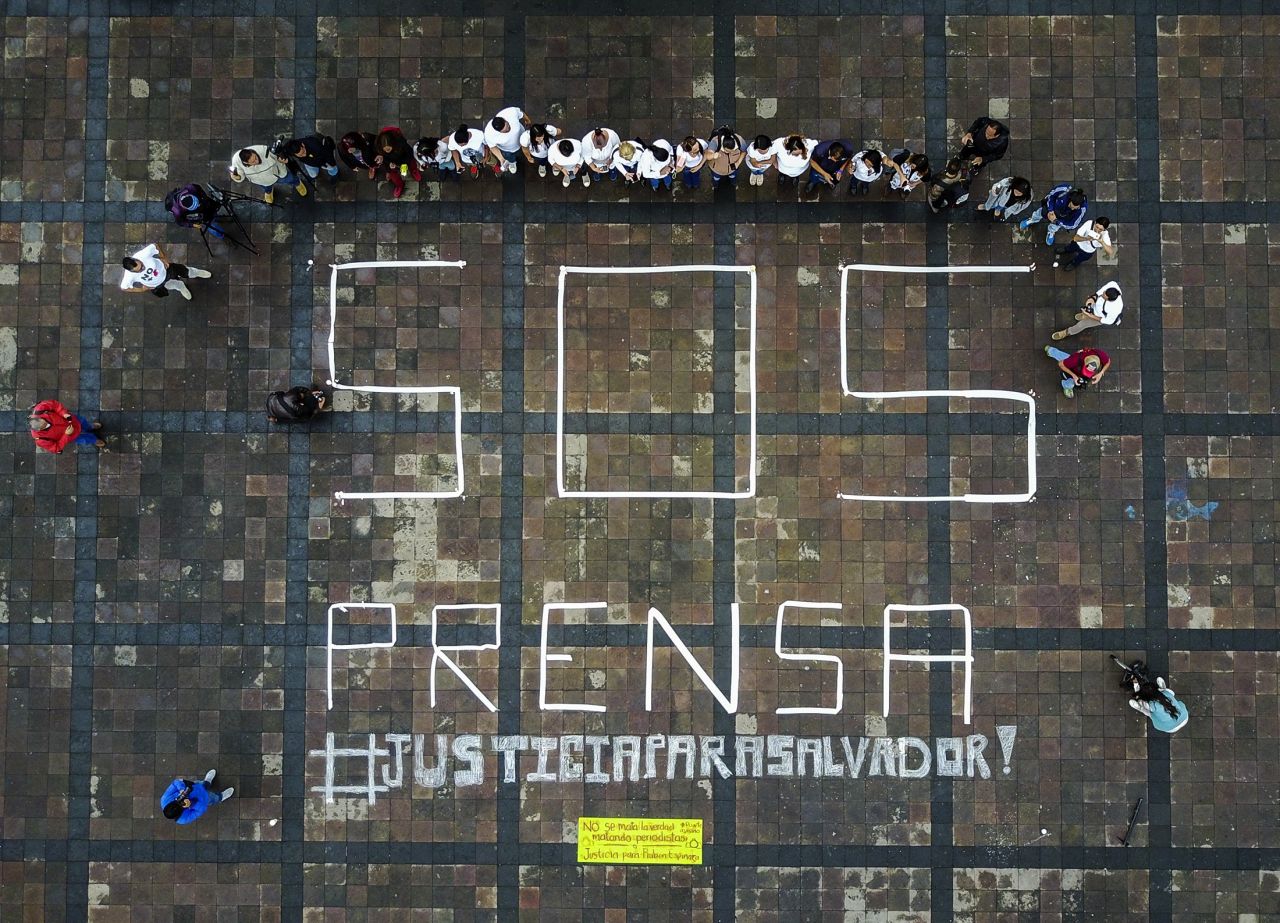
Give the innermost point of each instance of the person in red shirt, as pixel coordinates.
(1080, 369)
(53, 427)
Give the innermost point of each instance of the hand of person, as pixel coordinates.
(966, 139)
(1052, 216)
(371, 172)
(976, 162)
(998, 212)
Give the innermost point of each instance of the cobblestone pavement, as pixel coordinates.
(163, 605)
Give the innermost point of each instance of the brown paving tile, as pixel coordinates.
(1203, 895)
(614, 892)
(989, 894)
(31, 891)
(778, 894)
(381, 893)
(130, 891)
(1217, 87)
(34, 726)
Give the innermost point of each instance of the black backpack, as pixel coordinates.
(290, 407)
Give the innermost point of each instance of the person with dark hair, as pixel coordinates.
(1065, 206)
(598, 147)
(906, 171)
(394, 158)
(725, 153)
(792, 156)
(657, 163)
(1101, 309)
(828, 163)
(150, 270)
(297, 405)
(185, 802)
(760, 158)
(432, 154)
(1081, 369)
(536, 141)
(565, 158)
(193, 207)
(866, 168)
(265, 169)
(357, 150)
(691, 157)
(950, 187)
(1157, 701)
(54, 427)
(1085, 242)
(315, 153)
(502, 138)
(469, 149)
(985, 142)
(1007, 198)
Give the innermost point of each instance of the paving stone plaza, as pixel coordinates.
(642, 456)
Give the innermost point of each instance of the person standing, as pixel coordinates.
(357, 150)
(759, 159)
(985, 142)
(54, 427)
(626, 162)
(150, 270)
(433, 154)
(691, 157)
(1101, 309)
(297, 405)
(906, 171)
(598, 147)
(315, 153)
(469, 149)
(950, 187)
(264, 169)
(866, 168)
(1080, 369)
(792, 155)
(565, 158)
(656, 164)
(1007, 198)
(725, 153)
(1065, 206)
(1085, 242)
(828, 163)
(186, 802)
(502, 138)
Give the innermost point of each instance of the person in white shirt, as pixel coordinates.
(791, 155)
(908, 171)
(434, 154)
(1086, 240)
(502, 138)
(1101, 309)
(690, 159)
(566, 160)
(151, 270)
(535, 142)
(469, 150)
(760, 158)
(657, 163)
(264, 169)
(868, 167)
(598, 147)
(626, 161)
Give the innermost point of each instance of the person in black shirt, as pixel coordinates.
(985, 142)
(297, 405)
(315, 153)
(828, 163)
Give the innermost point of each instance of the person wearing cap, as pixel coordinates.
(1080, 369)
(185, 802)
(1101, 309)
(257, 165)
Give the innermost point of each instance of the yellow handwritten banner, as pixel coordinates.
(640, 840)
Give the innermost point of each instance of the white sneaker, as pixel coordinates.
(181, 289)
(586, 179)
(199, 273)
(511, 166)
(227, 793)
(566, 181)
(542, 169)
(208, 776)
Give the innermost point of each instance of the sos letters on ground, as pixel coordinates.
(640, 840)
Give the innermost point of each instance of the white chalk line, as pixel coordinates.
(561, 487)
(330, 647)
(455, 393)
(824, 658)
(966, 658)
(442, 651)
(969, 394)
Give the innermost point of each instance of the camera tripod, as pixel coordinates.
(225, 201)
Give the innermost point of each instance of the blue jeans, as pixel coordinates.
(87, 435)
(1072, 255)
(509, 156)
(290, 179)
(692, 179)
(731, 177)
(1057, 355)
(214, 797)
(313, 172)
(661, 181)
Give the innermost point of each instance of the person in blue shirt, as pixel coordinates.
(1065, 207)
(1157, 702)
(186, 802)
(828, 162)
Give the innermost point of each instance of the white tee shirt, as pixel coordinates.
(862, 172)
(439, 156)
(570, 161)
(473, 150)
(757, 160)
(687, 161)
(1109, 311)
(509, 140)
(650, 168)
(1094, 237)
(601, 158)
(539, 149)
(793, 164)
(625, 165)
(153, 271)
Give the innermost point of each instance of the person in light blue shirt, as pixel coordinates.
(186, 802)
(1157, 702)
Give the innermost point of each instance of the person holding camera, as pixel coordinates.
(267, 168)
(315, 153)
(1080, 369)
(184, 802)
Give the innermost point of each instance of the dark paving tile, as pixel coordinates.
(37, 546)
(32, 890)
(1204, 895)
(34, 724)
(615, 893)
(467, 893)
(170, 890)
(778, 894)
(983, 894)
